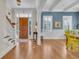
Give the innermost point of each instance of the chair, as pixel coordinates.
(67, 36)
(75, 45)
(72, 42)
(69, 41)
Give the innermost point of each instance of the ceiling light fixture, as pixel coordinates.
(18, 2)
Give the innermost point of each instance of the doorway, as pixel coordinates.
(23, 28)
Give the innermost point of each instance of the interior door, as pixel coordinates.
(23, 27)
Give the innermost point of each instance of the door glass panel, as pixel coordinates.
(30, 26)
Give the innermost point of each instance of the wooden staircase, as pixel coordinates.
(6, 44)
(12, 24)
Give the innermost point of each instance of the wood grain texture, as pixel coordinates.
(49, 49)
(23, 25)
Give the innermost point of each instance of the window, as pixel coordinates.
(24, 15)
(30, 26)
(47, 23)
(67, 22)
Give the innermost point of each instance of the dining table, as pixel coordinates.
(75, 35)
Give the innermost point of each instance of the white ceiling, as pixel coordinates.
(46, 5)
(24, 3)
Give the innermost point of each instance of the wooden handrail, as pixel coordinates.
(9, 21)
(4, 37)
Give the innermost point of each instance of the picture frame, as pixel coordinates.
(57, 25)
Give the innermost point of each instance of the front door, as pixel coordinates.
(23, 27)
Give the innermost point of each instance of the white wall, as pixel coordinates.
(2, 18)
(5, 27)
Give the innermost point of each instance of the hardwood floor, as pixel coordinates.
(50, 49)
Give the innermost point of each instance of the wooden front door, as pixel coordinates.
(23, 27)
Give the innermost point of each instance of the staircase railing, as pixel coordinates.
(12, 24)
